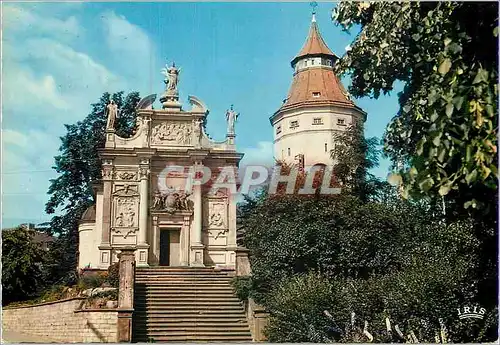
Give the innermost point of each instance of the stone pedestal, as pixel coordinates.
(242, 262)
(110, 138)
(126, 294)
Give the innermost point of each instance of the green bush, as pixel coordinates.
(242, 287)
(392, 259)
(91, 281)
(297, 308)
(114, 275)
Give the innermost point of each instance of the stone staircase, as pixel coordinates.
(187, 304)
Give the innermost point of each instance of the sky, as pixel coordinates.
(58, 58)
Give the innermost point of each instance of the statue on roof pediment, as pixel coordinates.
(171, 74)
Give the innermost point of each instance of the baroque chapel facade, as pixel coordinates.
(143, 204)
(316, 109)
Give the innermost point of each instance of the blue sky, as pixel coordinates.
(58, 58)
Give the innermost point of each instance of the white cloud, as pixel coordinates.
(49, 80)
(123, 36)
(131, 50)
(22, 89)
(262, 154)
(23, 20)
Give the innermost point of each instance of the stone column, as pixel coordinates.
(143, 210)
(196, 255)
(197, 216)
(126, 294)
(142, 245)
(231, 200)
(156, 241)
(105, 246)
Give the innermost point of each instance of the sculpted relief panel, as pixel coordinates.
(217, 215)
(126, 175)
(125, 211)
(172, 133)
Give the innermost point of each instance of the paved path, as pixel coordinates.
(16, 337)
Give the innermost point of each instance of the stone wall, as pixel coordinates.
(63, 321)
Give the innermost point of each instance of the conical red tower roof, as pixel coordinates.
(314, 45)
(315, 83)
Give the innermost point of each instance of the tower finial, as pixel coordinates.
(313, 5)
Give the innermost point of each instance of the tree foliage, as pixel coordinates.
(354, 156)
(22, 265)
(444, 138)
(79, 166)
(383, 259)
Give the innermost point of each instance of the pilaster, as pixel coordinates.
(105, 246)
(142, 245)
(196, 255)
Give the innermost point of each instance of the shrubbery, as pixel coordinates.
(242, 287)
(373, 259)
(113, 277)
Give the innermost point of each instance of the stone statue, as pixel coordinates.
(130, 217)
(183, 202)
(172, 77)
(197, 131)
(112, 111)
(171, 202)
(231, 117)
(119, 219)
(158, 200)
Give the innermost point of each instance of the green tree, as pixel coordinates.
(355, 155)
(443, 140)
(390, 259)
(79, 166)
(22, 265)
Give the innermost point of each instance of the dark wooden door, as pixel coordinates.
(164, 248)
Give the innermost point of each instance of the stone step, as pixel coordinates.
(182, 282)
(186, 294)
(192, 333)
(192, 277)
(198, 307)
(182, 279)
(198, 338)
(176, 268)
(191, 313)
(201, 304)
(190, 287)
(181, 273)
(201, 319)
(187, 298)
(168, 304)
(166, 270)
(193, 329)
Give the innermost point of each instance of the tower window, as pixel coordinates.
(317, 121)
(326, 147)
(278, 129)
(289, 153)
(341, 122)
(294, 124)
(316, 94)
